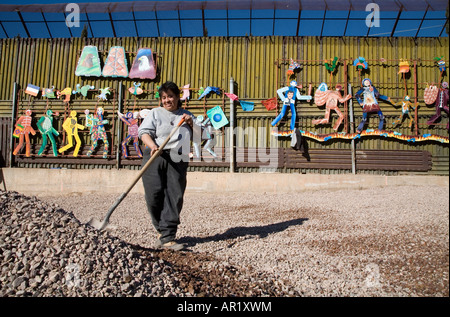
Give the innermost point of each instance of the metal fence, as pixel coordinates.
(258, 66)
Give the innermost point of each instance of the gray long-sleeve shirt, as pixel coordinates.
(159, 123)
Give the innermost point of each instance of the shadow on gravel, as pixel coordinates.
(246, 232)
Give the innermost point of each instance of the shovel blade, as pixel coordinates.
(97, 224)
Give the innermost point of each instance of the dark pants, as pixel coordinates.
(437, 115)
(364, 120)
(164, 186)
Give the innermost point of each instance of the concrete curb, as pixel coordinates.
(46, 182)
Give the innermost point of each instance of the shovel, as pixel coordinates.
(101, 225)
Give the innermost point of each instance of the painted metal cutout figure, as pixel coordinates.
(289, 95)
(83, 90)
(407, 108)
(103, 93)
(136, 89)
(207, 90)
(49, 92)
(203, 131)
(67, 92)
(369, 103)
(23, 129)
(144, 66)
(186, 92)
(45, 126)
(440, 98)
(132, 122)
(71, 127)
(116, 63)
(89, 63)
(97, 131)
(293, 66)
(331, 99)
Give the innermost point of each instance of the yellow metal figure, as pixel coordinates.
(407, 108)
(71, 126)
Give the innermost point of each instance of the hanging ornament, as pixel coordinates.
(360, 63)
(441, 63)
(293, 66)
(331, 67)
(403, 66)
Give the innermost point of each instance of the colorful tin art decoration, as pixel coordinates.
(71, 127)
(89, 62)
(116, 63)
(143, 66)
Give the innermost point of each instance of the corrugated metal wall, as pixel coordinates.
(258, 66)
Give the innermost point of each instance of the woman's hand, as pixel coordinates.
(148, 141)
(188, 119)
(153, 149)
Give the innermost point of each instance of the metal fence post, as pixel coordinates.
(119, 134)
(232, 111)
(352, 129)
(13, 119)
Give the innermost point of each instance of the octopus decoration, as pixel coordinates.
(97, 131)
(131, 120)
(157, 92)
(331, 99)
(22, 130)
(45, 126)
(369, 103)
(71, 127)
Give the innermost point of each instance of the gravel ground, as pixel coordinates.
(387, 241)
(46, 251)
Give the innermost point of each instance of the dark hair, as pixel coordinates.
(169, 85)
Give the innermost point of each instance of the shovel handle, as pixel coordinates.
(144, 168)
(155, 155)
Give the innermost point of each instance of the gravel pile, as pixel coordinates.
(46, 251)
(385, 241)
